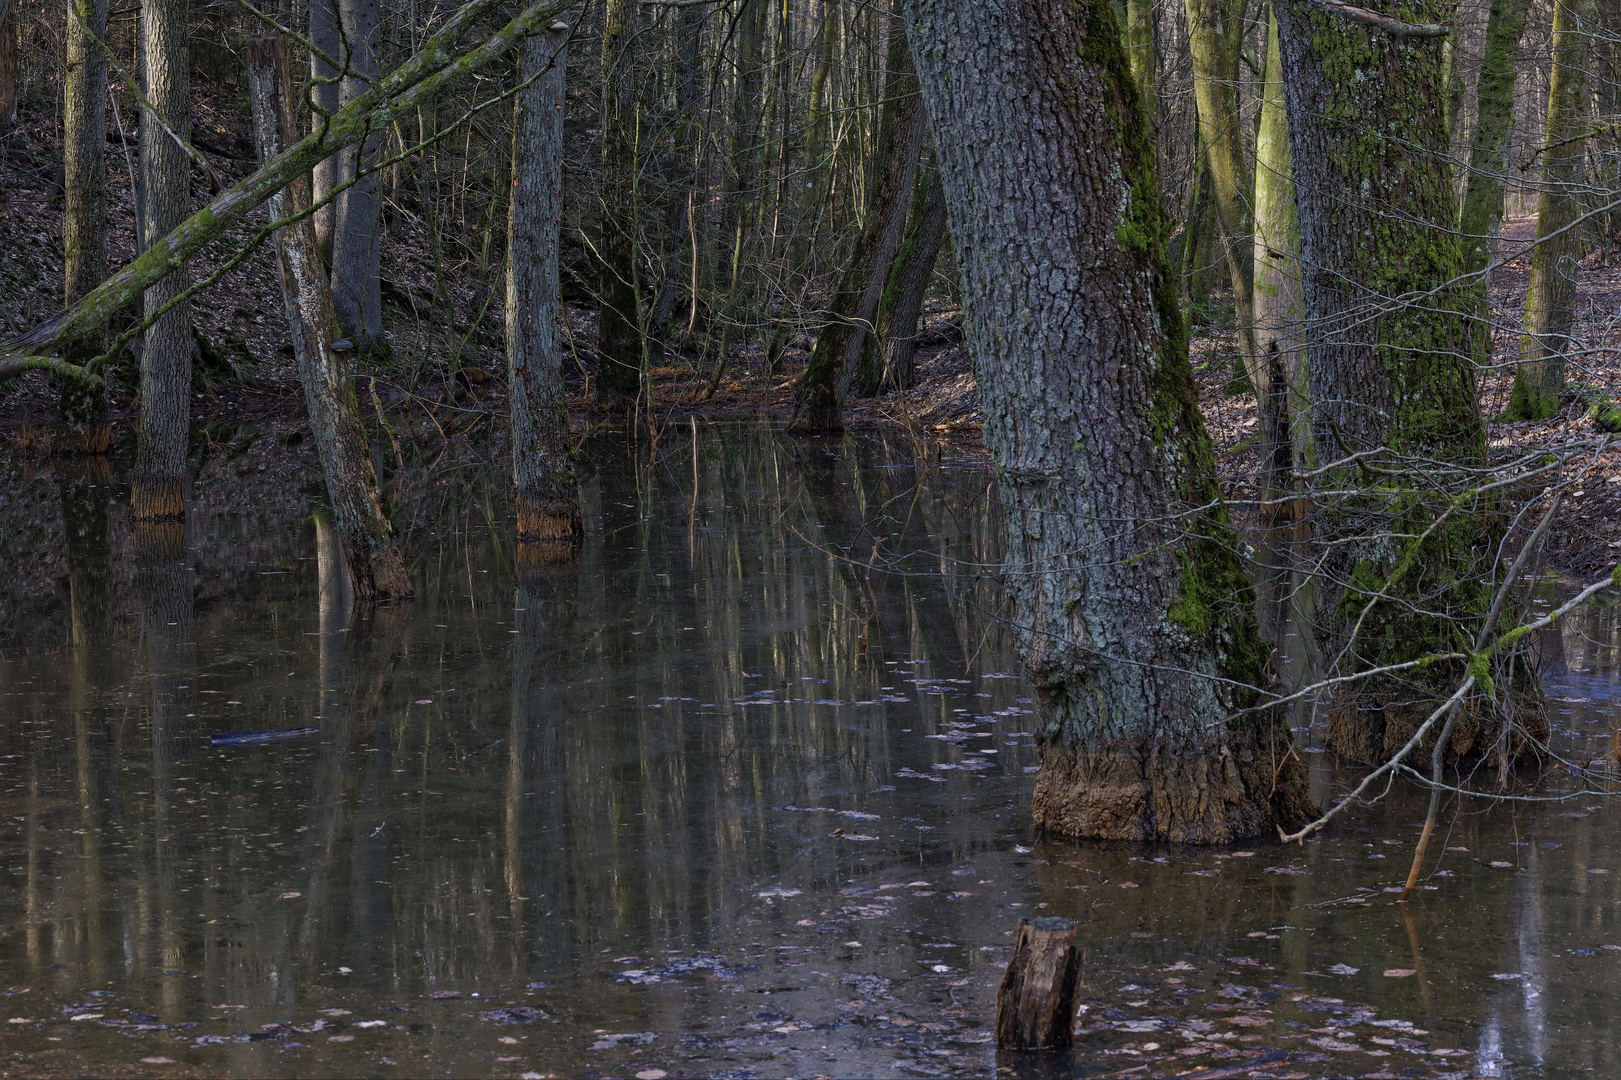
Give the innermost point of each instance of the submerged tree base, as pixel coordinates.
(157, 499)
(1373, 726)
(1214, 796)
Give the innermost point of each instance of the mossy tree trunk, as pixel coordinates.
(82, 408)
(832, 371)
(909, 278)
(158, 487)
(1481, 214)
(1140, 48)
(1216, 41)
(1391, 375)
(376, 564)
(1136, 615)
(548, 496)
(619, 335)
(1550, 298)
(1279, 307)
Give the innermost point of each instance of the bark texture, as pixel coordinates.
(1550, 298)
(853, 312)
(324, 87)
(376, 565)
(548, 496)
(8, 64)
(1134, 607)
(82, 407)
(157, 488)
(619, 340)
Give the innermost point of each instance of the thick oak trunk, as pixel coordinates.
(1406, 566)
(376, 566)
(548, 496)
(1135, 615)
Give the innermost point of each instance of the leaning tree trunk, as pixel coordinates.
(829, 374)
(1481, 214)
(356, 236)
(158, 487)
(1216, 41)
(1136, 614)
(1279, 311)
(1391, 376)
(619, 335)
(909, 279)
(82, 407)
(376, 565)
(548, 496)
(1550, 298)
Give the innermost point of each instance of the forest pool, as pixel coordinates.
(740, 792)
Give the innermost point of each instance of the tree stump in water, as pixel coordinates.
(1035, 1006)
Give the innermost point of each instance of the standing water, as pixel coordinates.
(741, 792)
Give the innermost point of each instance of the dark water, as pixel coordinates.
(728, 796)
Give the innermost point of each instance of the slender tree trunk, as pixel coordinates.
(1216, 40)
(158, 487)
(908, 285)
(1136, 614)
(323, 91)
(1550, 298)
(82, 407)
(8, 62)
(1391, 374)
(688, 33)
(840, 345)
(1481, 213)
(1140, 49)
(548, 496)
(376, 565)
(619, 341)
(1279, 307)
(356, 238)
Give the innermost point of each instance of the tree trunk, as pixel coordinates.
(8, 62)
(909, 284)
(1144, 60)
(548, 496)
(376, 566)
(1550, 298)
(356, 234)
(323, 91)
(1481, 214)
(82, 407)
(1279, 310)
(158, 487)
(833, 363)
(1390, 369)
(1035, 1005)
(1135, 612)
(1216, 40)
(619, 335)
(688, 33)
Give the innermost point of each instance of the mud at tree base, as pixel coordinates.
(1223, 794)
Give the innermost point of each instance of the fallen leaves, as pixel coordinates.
(1400, 973)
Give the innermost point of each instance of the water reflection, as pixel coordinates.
(728, 781)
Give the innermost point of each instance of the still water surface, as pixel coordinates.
(728, 796)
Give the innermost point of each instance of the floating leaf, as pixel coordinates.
(1399, 973)
(1344, 969)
